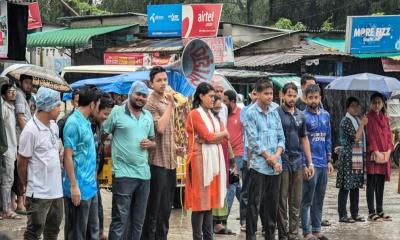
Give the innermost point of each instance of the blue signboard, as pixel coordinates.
(373, 34)
(164, 20)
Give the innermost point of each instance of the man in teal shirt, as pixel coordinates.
(79, 180)
(132, 128)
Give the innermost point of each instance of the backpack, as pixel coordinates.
(61, 124)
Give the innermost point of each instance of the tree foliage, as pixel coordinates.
(310, 13)
(285, 23)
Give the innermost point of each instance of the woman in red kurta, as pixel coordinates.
(379, 148)
(205, 168)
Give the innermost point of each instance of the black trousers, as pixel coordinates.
(261, 185)
(342, 202)
(375, 188)
(202, 225)
(159, 206)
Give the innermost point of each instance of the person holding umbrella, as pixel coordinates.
(350, 176)
(379, 148)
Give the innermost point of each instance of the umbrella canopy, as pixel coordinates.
(41, 76)
(365, 82)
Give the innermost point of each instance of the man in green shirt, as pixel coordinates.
(132, 128)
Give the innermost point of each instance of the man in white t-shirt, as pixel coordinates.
(39, 168)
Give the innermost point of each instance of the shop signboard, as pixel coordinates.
(200, 20)
(3, 29)
(373, 34)
(164, 20)
(34, 18)
(222, 49)
(390, 65)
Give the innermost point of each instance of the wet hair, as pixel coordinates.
(74, 93)
(288, 86)
(25, 77)
(263, 84)
(106, 101)
(312, 89)
(156, 70)
(231, 95)
(202, 88)
(87, 95)
(350, 100)
(307, 77)
(6, 87)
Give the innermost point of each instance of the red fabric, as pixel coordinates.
(235, 130)
(379, 138)
(198, 197)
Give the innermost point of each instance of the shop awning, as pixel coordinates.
(280, 81)
(69, 37)
(339, 45)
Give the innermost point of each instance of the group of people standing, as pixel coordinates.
(274, 159)
(283, 160)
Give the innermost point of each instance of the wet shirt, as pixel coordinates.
(129, 159)
(78, 136)
(294, 126)
(39, 144)
(164, 155)
(235, 130)
(319, 136)
(265, 133)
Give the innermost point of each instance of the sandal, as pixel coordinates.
(325, 223)
(243, 228)
(21, 211)
(384, 216)
(309, 236)
(224, 231)
(374, 217)
(347, 220)
(358, 218)
(12, 215)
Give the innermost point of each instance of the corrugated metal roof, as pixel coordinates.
(239, 73)
(151, 45)
(290, 56)
(68, 37)
(280, 81)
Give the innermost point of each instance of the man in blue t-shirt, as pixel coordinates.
(319, 135)
(79, 180)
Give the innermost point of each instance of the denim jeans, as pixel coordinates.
(44, 217)
(234, 189)
(76, 218)
(100, 212)
(92, 231)
(313, 201)
(244, 194)
(129, 203)
(159, 206)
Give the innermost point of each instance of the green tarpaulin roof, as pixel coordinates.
(339, 45)
(280, 81)
(68, 37)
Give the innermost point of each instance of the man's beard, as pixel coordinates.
(229, 109)
(135, 105)
(313, 106)
(291, 105)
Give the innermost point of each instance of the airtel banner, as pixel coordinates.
(200, 20)
(34, 19)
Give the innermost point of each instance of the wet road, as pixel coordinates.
(180, 227)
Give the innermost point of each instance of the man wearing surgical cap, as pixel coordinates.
(38, 155)
(218, 86)
(132, 128)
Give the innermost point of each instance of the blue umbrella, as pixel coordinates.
(365, 82)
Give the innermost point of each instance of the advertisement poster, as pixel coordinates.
(164, 20)
(222, 49)
(124, 59)
(200, 20)
(3, 29)
(373, 34)
(34, 18)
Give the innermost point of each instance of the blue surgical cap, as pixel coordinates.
(139, 87)
(47, 99)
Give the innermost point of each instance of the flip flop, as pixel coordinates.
(12, 215)
(385, 217)
(325, 223)
(21, 211)
(347, 220)
(225, 231)
(359, 219)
